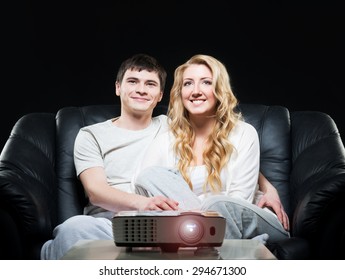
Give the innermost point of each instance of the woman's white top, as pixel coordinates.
(239, 177)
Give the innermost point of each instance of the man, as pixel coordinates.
(106, 155)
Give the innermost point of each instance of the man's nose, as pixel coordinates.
(140, 88)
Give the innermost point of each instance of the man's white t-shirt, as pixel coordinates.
(119, 151)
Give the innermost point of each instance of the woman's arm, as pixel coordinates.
(271, 200)
(244, 165)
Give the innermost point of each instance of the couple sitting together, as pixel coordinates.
(201, 156)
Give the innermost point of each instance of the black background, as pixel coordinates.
(58, 54)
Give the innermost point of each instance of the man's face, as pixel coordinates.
(139, 91)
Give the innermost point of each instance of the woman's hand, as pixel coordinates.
(271, 200)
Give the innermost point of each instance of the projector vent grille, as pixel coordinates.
(137, 230)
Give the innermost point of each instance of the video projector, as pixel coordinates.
(168, 230)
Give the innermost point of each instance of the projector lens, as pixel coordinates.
(191, 231)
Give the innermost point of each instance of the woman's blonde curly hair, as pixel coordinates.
(218, 148)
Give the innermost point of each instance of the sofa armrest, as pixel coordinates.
(317, 183)
(27, 180)
(10, 241)
(320, 212)
(28, 200)
(294, 248)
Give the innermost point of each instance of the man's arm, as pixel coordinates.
(112, 199)
(271, 200)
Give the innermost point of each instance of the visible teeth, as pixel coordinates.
(197, 101)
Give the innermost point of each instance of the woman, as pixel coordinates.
(210, 157)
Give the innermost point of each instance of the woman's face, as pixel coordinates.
(197, 91)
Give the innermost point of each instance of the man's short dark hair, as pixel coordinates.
(141, 62)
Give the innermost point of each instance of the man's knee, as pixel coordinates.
(83, 226)
(77, 222)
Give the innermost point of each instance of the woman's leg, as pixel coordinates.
(245, 220)
(157, 180)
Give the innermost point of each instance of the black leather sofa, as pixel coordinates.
(301, 154)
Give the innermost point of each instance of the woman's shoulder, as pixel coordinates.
(242, 125)
(243, 131)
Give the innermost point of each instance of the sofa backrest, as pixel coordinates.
(271, 122)
(274, 129)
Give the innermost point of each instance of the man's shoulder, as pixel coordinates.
(161, 117)
(161, 120)
(96, 126)
(95, 129)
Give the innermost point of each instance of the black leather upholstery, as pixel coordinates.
(301, 154)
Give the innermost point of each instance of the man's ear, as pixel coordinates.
(161, 96)
(117, 88)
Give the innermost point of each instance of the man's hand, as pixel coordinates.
(158, 203)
